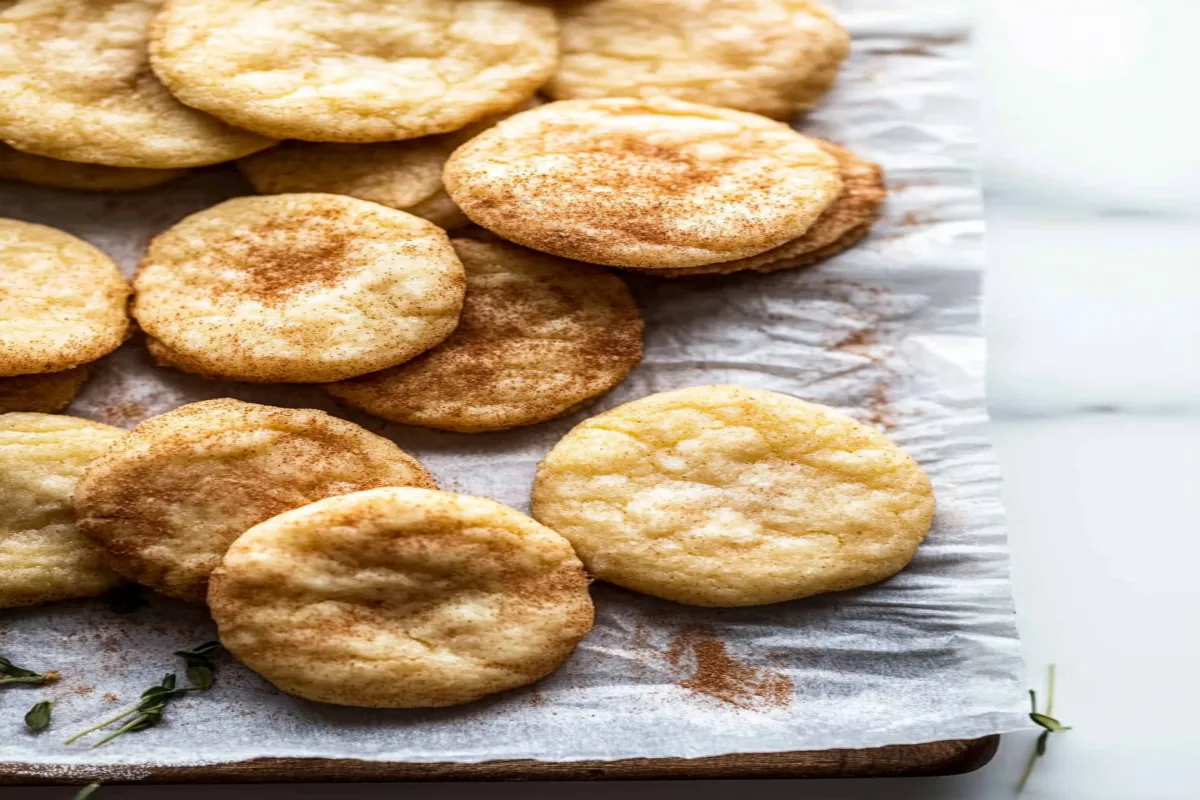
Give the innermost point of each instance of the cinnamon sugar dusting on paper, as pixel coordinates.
(880, 412)
(715, 674)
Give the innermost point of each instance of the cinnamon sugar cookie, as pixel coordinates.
(167, 501)
(654, 183)
(539, 336)
(62, 301)
(45, 393)
(403, 175)
(731, 496)
(77, 86)
(43, 557)
(55, 174)
(297, 288)
(354, 70)
(400, 598)
(844, 224)
(770, 57)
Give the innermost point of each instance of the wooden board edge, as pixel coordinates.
(953, 757)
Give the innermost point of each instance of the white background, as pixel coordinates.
(1093, 172)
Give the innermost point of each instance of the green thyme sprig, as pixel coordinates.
(200, 668)
(146, 713)
(87, 791)
(11, 673)
(1048, 723)
(37, 719)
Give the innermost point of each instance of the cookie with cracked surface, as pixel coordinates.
(354, 70)
(78, 87)
(771, 57)
(654, 183)
(844, 224)
(43, 557)
(62, 301)
(56, 174)
(45, 393)
(297, 288)
(400, 598)
(168, 500)
(539, 336)
(731, 496)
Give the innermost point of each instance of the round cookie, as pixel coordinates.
(655, 183)
(538, 337)
(55, 174)
(770, 57)
(45, 393)
(167, 502)
(400, 598)
(730, 496)
(299, 288)
(844, 224)
(77, 86)
(43, 557)
(403, 175)
(62, 301)
(354, 70)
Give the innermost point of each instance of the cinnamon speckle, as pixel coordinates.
(714, 674)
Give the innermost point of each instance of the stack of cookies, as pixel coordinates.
(331, 562)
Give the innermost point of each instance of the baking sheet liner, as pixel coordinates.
(889, 332)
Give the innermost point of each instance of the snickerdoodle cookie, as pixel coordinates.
(297, 288)
(43, 557)
(770, 57)
(56, 174)
(730, 496)
(354, 70)
(653, 183)
(844, 224)
(404, 175)
(62, 301)
(400, 598)
(46, 393)
(167, 501)
(539, 336)
(77, 86)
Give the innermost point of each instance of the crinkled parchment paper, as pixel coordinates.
(888, 332)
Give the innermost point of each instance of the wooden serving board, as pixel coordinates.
(934, 758)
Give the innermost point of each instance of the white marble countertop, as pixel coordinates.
(1094, 317)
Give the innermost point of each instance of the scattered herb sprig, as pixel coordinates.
(37, 719)
(11, 673)
(87, 791)
(200, 668)
(148, 711)
(1048, 723)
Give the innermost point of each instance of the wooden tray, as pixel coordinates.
(934, 758)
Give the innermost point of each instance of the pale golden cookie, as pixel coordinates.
(43, 557)
(77, 86)
(297, 288)
(400, 598)
(354, 70)
(771, 57)
(844, 224)
(62, 301)
(538, 337)
(45, 393)
(655, 183)
(730, 496)
(403, 175)
(167, 502)
(42, 171)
